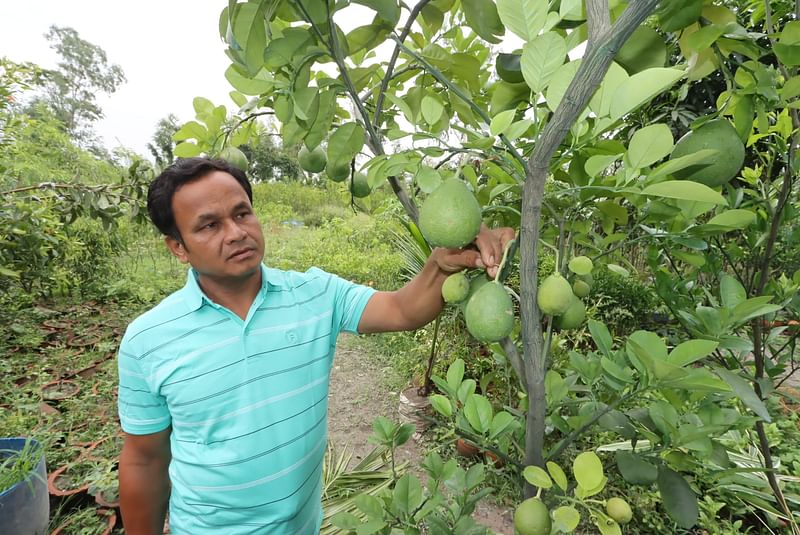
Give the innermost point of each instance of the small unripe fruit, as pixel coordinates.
(532, 518)
(455, 288)
(619, 510)
(581, 288)
(554, 295)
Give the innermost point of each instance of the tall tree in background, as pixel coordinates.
(83, 72)
(162, 144)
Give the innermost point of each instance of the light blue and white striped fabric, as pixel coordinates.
(247, 400)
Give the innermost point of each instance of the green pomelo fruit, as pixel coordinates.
(554, 295)
(532, 518)
(489, 314)
(581, 265)
(508, 68)
(455, 288)
(475, 284)
(619, 510)
(588, 279)
(581, 288)
(644, 50)
(450, 216)
(719, 135)
(360, 186)
(676, 15)
(235, 157)
(338, 171)
(573, 317)
(312, 161)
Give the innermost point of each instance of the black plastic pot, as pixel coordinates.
(25, 507)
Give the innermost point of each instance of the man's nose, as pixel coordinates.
(234, 232)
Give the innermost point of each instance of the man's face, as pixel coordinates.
(222, 238)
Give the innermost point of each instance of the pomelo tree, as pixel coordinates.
(572, 135)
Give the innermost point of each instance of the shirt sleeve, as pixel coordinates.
(349, 301)
(141, 412)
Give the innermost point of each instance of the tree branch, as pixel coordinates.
(395, 54)
(598, 19)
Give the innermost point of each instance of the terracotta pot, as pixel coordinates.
(467, 449)
(414, 408)
(54, 480)
(107, 498)
(491, 457)
(110, 514)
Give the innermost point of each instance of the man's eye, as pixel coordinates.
(210, 225)
(242, 215)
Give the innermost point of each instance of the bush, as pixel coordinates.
(622, 303)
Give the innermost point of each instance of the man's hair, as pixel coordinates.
(183, 171)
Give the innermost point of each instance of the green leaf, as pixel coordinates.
(558, 475)
(249, 28)
(649, 144)
(788, 54)
(407, 494)
(478, 412)
(541, 58)
(455, 374)
(370, 527)
(566, 518)
(703, 38)
(482, 17)
(598, 163)
(202, 106)
(691, 351)
(501, 122)
(606, 525)
(634, 469)
(588, 470)
(641, 88)
(678, 498)
(432, 108)
(345, 142)
(366, 37)
(733, 219)
(191, 130)
(388, 10)
(537, 477)
(525, 18)
(369, 505)
(555, 387)
(260, 84)
(619, 270)
(187, 149)
(745, 392)
(685, 190)
(753, 308)
(441, 405)
(560, 82)
(669, 167)
(731, 291)
(428, 178)
(601, 336)
(501, 422)
(345, 521)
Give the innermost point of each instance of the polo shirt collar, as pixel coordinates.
(194, 297)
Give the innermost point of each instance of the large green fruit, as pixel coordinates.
(312, 161)
(338, 171)
(450, 216)
(360, 186)
(554, 295)
(676, 15)
(489, 314)
(532, 518)
(508, 68)
(475, 284)
(573, 317)
(619, 510)
(644, 50)
(455, 288)
(235, 157)
(581, 288)
(721, 136)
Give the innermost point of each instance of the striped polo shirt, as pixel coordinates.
(247, 400)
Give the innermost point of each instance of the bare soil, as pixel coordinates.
(361, 389)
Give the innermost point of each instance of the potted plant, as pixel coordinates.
(24, 502)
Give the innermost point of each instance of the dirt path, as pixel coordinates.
(360, 391)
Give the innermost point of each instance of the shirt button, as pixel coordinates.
(291, 336)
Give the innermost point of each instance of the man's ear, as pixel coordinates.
(177, 248)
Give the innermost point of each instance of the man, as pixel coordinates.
(224, 384)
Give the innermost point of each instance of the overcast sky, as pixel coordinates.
(169, 49)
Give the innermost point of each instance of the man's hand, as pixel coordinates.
(487, 252)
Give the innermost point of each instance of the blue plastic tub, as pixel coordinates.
(25, 507)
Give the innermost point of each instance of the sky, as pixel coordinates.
(170, 51)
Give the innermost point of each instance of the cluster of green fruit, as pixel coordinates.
(558, 298)
(316, 161)
(533, 518)
(451, 217)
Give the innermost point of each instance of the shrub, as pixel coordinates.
(622, 303)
